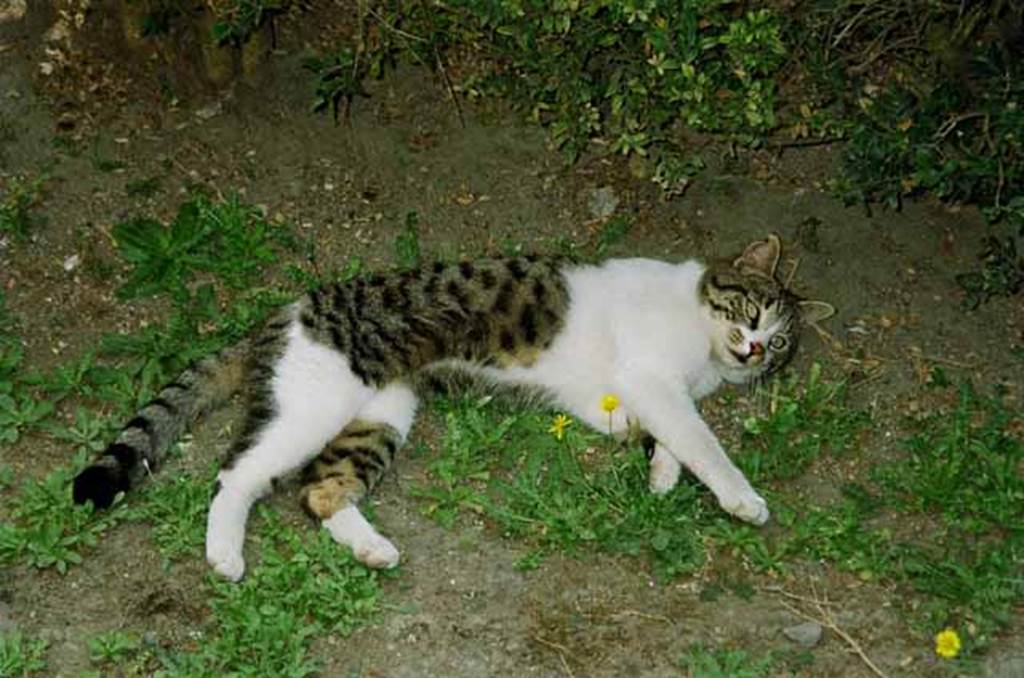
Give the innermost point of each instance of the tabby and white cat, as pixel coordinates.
(328, 378)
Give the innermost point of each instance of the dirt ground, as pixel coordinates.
(457, 606)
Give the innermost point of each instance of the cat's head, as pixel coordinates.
(755, 319)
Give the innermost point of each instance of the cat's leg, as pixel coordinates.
(308, 394)
(351, 465)
(586, 406)
(674, 421)
(665, 468)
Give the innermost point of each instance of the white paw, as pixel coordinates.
(378, 553)
(225, 560)
(664, 473)
(349, 528)
(748, 506)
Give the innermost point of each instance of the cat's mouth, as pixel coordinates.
(752, 359)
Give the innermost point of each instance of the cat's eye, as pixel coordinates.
(752, 310)
(778, 343)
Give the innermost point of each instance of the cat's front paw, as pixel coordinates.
(225, 561)
(748, 506)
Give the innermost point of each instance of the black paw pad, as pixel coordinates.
(98, 484)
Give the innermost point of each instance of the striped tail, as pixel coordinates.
(143, 442)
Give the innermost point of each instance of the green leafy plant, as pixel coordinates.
(616, 72)
(46, 529)
(20, 656)
(956, 547)
(302, 587)
(18, 198)
(176, 510)
(228, 239)
(805, 417)
(237, 20)
(339, 79)
(1001, 274)
(701, 662)
(113, 647)
(565, 495)
(407, 244)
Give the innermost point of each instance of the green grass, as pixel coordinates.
(175, 508)
(205, 263)
(581, 492)
(228, 239)
(701, 662)
(20, 656)
(77, 405)
(805, 417)
(942, 522)
(407, 244)
(18, 198)
(113, 648)
(44, 528)
(303, 586)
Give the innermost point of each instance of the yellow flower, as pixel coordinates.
(609, 403)
(558, 426)
(947, 644)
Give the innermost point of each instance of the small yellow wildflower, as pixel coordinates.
(947, 644)
(558, 426)
(609, 403)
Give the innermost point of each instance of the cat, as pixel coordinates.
(329, 377)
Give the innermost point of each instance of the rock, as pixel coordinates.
(807, 634)
(601, 202)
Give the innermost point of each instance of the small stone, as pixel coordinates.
(807, 634)
(72, 262)
(210, 111)
(601, 202)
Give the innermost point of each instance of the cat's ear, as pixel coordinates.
(761, 257)
(813, 312)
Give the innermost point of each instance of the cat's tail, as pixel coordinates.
(144, 440)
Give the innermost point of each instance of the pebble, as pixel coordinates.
(807, 634)
(601, 202)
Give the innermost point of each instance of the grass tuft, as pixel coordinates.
(584, 491)
(303, 587)
(20, 656)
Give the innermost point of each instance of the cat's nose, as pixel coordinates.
(756, 348)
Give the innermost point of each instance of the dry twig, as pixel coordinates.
(826, 619)
(561, 650)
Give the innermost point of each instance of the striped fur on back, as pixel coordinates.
(495, 312)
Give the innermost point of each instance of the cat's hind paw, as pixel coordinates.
(749, 507)
(378, 553)
(350, 528)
